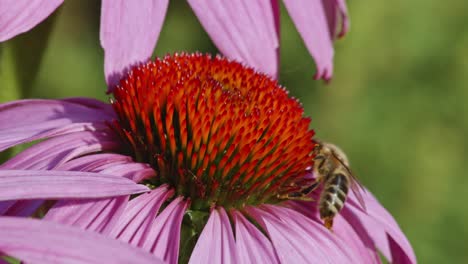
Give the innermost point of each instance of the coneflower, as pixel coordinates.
(212, 143)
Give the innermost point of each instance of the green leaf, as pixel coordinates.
(10, 89)
(192, 226)
(20, 59)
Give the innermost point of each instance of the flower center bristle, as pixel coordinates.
(217, 132)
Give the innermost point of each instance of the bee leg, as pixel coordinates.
(301, 195)
(296, 196)
(311, 188)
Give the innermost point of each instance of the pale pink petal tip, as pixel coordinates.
(18, 16)
(32, 240)
(242, 30)
(343, 11)
(216, 243)
(380, 225)
(316, 22)
(129, 33)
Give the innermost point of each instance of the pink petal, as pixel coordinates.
(133, 171)
(365, 248)
(28, 184)
(383, 229)
(91, 163)
(53, 152)
(242, 30)
(336, 12)
(37, 111)
(98, 215)
(255, 247)
(129, 32)
(18, 16)
(114, 164)
(216, 243)
(343, 11)
(358, 241)
(95, 104)
(35, 241)
(135, 223)
(164, 236)
(297, 239)
(28, 120)
(310, 18)
(276, 16)
(95, 162)
(95, 214)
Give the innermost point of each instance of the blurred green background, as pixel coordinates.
(396, 103)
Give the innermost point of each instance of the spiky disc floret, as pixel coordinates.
(217, 132)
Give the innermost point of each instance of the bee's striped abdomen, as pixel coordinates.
(333, 197)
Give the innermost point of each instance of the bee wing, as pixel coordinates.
(355, 184)
(357, 189)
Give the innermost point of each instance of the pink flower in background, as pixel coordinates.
(214, 142)
(246, 31)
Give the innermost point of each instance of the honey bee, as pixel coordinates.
(331, 167)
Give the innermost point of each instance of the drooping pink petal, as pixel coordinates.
(28, 120)
(129, 33)
(98, 215)
(310, 18)
(242, 30)
(364, 248)
(216, 243)
(32, 240)
(255, 247)
(336, 12)
(51, 153)
(135, 223)
(358, 241)
(343, 11)
(399, 256)
(297, 239)
(383, 229)
(18, 16)
(30, 184)
(163, 238)
(358, 227)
